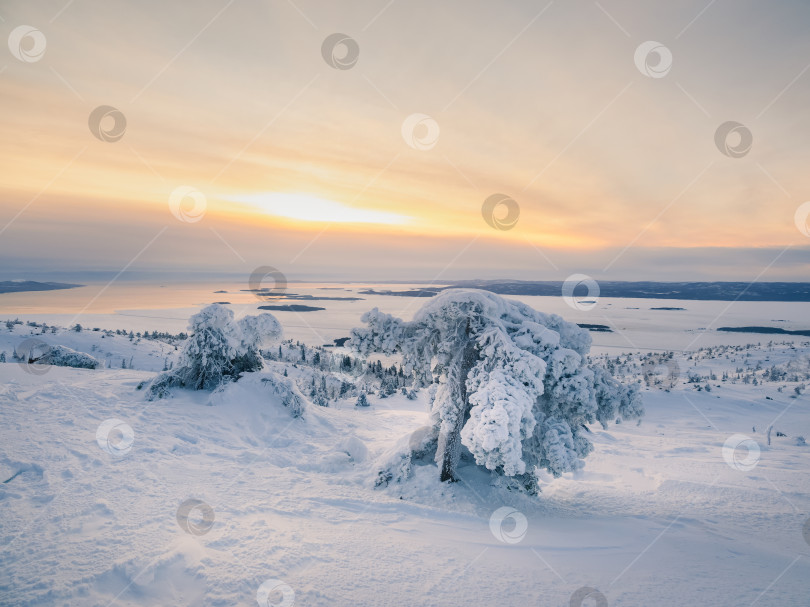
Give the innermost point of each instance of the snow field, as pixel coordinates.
(657, 516)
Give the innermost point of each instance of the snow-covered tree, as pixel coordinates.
(217, 350)
(510, 384)
(254, 332)
(362, 400)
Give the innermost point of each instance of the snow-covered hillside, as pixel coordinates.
(287, 509)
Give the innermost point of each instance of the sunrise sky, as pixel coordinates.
(305, 167)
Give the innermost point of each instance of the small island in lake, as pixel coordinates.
(291, 308)
(595, 328)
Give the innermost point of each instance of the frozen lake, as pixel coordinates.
(635, 324)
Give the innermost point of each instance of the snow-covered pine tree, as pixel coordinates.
(255, 332)
(362, 401)
(509, 383)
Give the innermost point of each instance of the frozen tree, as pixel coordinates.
(255, 332)
(217, 350)
(362, 400)
(508, 383)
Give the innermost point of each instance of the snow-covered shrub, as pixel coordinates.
(362, 400)
(60, 356)
(509, 383)
(287, 392)
(36, 352)
(218, 350)
(354, 448)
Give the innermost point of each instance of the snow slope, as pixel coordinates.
(657, 517)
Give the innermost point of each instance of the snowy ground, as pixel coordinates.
(657, 517)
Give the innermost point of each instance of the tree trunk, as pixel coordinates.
(449, 447)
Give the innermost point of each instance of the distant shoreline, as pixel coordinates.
(765, 331)
(687, 291)
(28, 286)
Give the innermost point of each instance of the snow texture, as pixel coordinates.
(657, 517)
